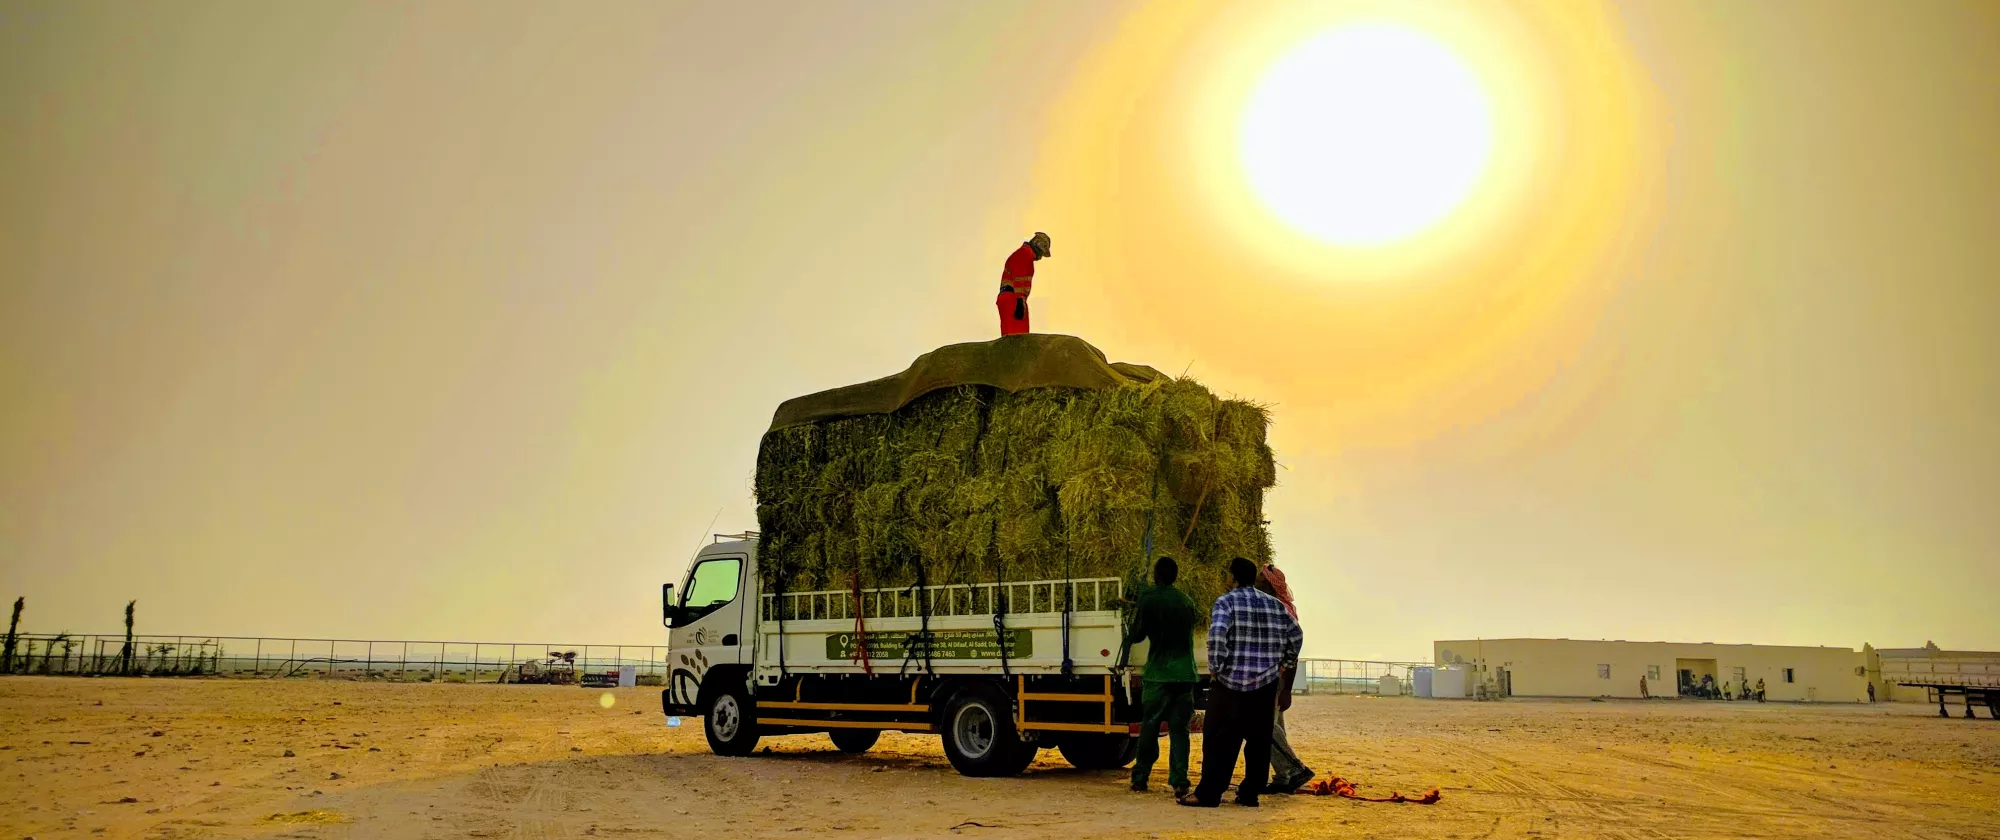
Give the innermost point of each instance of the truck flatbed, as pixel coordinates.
(1974, 694)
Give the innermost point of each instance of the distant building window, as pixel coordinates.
(1653, 672)
(1788, 675)
(1604, 672)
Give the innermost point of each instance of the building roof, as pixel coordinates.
(1638, 642)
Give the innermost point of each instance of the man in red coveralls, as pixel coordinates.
(1017, 279)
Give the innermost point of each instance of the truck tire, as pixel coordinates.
(730, 721)
(979, 736)
(1099, 752)
(854, 740)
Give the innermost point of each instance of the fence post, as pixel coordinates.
(369, 668)
(475, 662)
(331, 652)
(403, 670)
(257, 667)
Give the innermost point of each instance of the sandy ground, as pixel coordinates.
(192, 758)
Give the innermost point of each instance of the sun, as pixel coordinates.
(1365, 135)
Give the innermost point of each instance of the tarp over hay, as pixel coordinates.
(1024, 458)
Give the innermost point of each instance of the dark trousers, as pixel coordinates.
(1173, 704)
(1237, 720)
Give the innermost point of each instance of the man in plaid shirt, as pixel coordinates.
(1251, 638)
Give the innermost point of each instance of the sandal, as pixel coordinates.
(1291, 786)
(1191, 801)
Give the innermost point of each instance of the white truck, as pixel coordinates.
(998, 670)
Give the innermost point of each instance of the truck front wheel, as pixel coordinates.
(730, 721)
(979, 736)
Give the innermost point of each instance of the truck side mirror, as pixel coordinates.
(668, 612)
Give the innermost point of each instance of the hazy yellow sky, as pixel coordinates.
(463, 319)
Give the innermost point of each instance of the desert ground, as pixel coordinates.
(186, 758)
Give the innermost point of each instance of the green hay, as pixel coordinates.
(973, 484)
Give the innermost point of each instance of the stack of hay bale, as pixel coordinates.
(1025, 458)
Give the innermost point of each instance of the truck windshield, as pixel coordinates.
(712, 584)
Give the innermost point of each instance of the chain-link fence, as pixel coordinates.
(448, 661)
(1353, 676)
(360, 659)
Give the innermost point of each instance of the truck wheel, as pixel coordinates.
(979, 736)
(854, 740)
(730, 721)
(1099, 752)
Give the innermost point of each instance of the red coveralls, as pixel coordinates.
(1016, 280)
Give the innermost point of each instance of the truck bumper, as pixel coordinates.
(671, 709)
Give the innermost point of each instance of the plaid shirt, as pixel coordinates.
(1250, 639)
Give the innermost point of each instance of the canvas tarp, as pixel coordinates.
(1014, 363)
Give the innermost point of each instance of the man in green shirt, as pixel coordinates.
(1166, 617)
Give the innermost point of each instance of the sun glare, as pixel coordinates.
(1365, 135)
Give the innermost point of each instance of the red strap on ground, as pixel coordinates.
(860, 628)
(1338, 786)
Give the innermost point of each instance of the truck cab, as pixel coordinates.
(708, 628)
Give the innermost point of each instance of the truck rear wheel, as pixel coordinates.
(730, 721)
(1099, 752)
(854, 740)
(979, 736)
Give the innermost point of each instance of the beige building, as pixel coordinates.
(1583, 668)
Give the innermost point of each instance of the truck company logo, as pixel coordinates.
(945, 644)
(686, 680)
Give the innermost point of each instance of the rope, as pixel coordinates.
(1069, 582)
(924, 600)
(1338, 786)
(860, 628)
(999, 598)
(779, 604)
(920, 590)
(1125, 650)
(1069, 585)
(999, 578)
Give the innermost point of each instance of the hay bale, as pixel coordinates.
(970, 483)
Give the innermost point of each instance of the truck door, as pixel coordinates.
(710, 630)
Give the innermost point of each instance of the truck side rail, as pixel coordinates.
(1086, 704)
(945, 600)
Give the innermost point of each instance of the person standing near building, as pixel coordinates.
(1643, 693)
(1165, 617)
(1250, 641)
(1760, 689)
(1288, 772)
(1017, 280)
